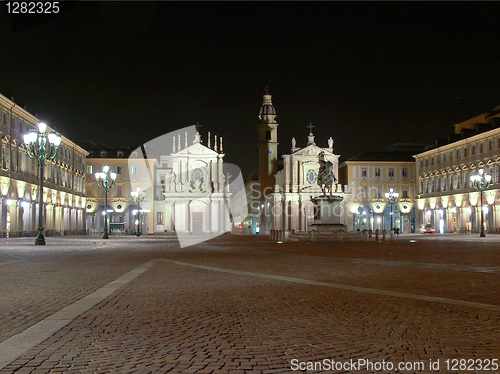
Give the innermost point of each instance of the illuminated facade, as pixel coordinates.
(446, 198)
(285, 195)
(63, 185)
(369, 176)
(193, 189)
(123, 211)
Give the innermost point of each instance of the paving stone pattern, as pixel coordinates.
(181, 319)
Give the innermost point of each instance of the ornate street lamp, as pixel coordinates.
(105, 180)
(481, 182)
(391, 197)
(42, 146)
(139, 198)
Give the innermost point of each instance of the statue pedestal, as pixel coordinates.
(327, 214)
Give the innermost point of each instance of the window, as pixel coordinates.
(363, 172)
(118, 170)
(404, 193)
(134, 169)
(465, 152)
(103, 153)
(119, 154)
(391, 172)
(405, 172)
(89, 169)
(159, 218)
(432, 161)
(480, 148)
(473, 150)
(426, 163)
(377, 172)
(363, 192)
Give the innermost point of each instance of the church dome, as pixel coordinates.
(267, 108)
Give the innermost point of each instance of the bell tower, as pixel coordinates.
(268, 145)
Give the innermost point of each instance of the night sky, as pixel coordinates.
(367, 74)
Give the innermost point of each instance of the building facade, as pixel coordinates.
(124, 215)
(63, 184)
(193, 189)
(446, 199)
(285, 195)
(372, 174)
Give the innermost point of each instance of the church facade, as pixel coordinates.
(286, 195)
(193, 191)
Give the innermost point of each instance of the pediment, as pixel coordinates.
(311, 150)
(196, 149)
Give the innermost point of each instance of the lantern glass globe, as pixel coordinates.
(42, 127)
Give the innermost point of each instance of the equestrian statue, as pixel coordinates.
(326, 176)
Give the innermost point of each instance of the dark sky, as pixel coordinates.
(368, 74)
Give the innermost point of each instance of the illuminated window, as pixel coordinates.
(363, 172)
(134, 169)
(159, 218)
(89, 169)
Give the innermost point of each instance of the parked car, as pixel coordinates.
(427, 229)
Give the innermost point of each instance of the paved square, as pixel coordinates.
(242, 304)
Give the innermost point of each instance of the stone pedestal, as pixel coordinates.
(327, 214)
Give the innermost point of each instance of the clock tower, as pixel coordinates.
(268, 145)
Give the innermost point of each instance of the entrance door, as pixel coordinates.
(197, 223)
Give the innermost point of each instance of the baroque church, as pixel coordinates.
(286, 195)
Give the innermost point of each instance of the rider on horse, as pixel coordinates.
(326, 177)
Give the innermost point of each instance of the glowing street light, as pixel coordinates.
(42, 146)
(105, 180)
(139, 198)
(391, 197)
(481, 182)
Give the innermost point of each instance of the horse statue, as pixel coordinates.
(326, 176)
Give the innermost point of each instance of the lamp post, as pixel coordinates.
(42, 146)
(481, 182)
(391, 197)
(139, 198)
(105, 180)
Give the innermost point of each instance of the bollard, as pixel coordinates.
(384, 233)
(370, 232)
(376, 234)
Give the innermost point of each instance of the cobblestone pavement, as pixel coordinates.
(240, 304)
